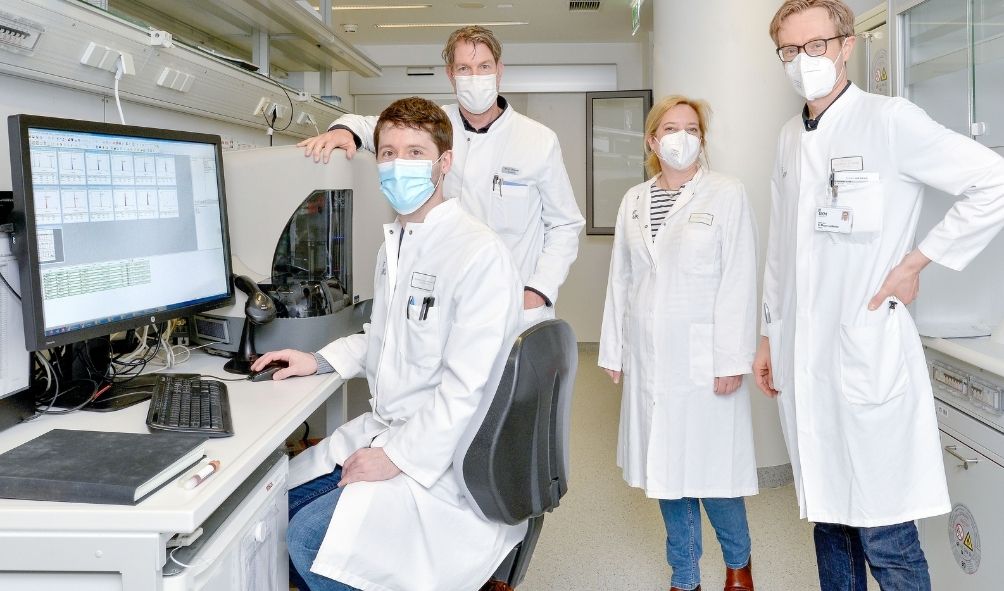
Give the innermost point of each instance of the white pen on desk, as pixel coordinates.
(205, 472)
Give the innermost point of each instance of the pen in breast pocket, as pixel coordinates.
(407, 309)
(766, 314)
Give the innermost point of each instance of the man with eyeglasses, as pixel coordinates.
(839, 347)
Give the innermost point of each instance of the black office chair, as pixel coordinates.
(513, 459)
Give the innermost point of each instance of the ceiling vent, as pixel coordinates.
(583, 5)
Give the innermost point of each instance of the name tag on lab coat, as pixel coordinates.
(848, 177)
(834, 219)
(701, 218)
(847, 163)
(423, 281)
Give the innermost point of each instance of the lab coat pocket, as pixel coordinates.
(702, 356)
(510, 208)
(776, 356)
(866, 201)
(872, 362)
(422, 342)
(698, 249)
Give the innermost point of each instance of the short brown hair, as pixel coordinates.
(840, 14)
(472, 34)
(417, 113)
(656, 114)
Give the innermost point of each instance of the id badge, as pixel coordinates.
(834, 219)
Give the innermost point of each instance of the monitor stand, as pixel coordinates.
(120, 395)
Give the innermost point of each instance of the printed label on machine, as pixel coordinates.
(964, 538)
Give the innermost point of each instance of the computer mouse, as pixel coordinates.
(267, 371)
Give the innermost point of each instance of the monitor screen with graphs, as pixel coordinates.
(116, 227)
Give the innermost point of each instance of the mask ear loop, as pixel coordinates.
(842, 45)
(441, 174)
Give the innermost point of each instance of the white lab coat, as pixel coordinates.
(513, 179)
(416, 532)
(680, 312)
(856, 404)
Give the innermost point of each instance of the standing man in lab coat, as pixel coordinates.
(376, 506)
(507, 171)
(840, 349)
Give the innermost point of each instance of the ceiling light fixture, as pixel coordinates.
(454, 25)
(385, 7)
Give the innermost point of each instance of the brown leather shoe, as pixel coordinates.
(739, 579)
(494, 585)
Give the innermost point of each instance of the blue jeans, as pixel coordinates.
(892, 551)
(683, 535)
(311, 506)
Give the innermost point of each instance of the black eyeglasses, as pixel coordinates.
(814, 48)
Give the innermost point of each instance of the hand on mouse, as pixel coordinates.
(298, 363)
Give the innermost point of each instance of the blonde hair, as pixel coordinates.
(659, 111)
(840, 14)
(472, 34)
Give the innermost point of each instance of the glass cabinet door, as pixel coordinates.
(988, 51)
(936, 61)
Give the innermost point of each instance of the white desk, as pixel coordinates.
(75, 537)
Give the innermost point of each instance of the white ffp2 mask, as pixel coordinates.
(477, 94)
(812, 77)
(680, 149)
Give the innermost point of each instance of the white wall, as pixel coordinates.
(581, 298)
(627, 57)
(861, 6)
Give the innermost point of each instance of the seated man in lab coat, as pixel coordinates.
(840, 348)
(508, 170)
(376, 505)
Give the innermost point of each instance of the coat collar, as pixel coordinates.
(643, 207)
(835, 107)
(440, 216)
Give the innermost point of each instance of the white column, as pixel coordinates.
(720, 50)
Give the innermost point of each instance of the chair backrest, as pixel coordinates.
(512, 462)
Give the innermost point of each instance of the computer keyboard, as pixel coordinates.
(186, 403)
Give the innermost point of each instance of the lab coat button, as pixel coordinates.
(391, 231)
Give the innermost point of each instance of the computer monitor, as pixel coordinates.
(116, 227)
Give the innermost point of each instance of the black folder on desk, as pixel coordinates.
(96, 466)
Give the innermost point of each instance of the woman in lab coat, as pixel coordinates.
(679, 325)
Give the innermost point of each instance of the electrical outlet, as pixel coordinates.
(107, 58)
(267, 108)
(276, 110)
(305, 119)
(263, 103)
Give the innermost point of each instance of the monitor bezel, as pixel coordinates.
(25, 244)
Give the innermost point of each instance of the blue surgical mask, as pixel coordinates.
(407, 184)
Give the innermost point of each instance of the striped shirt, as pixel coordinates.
(662, 201)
